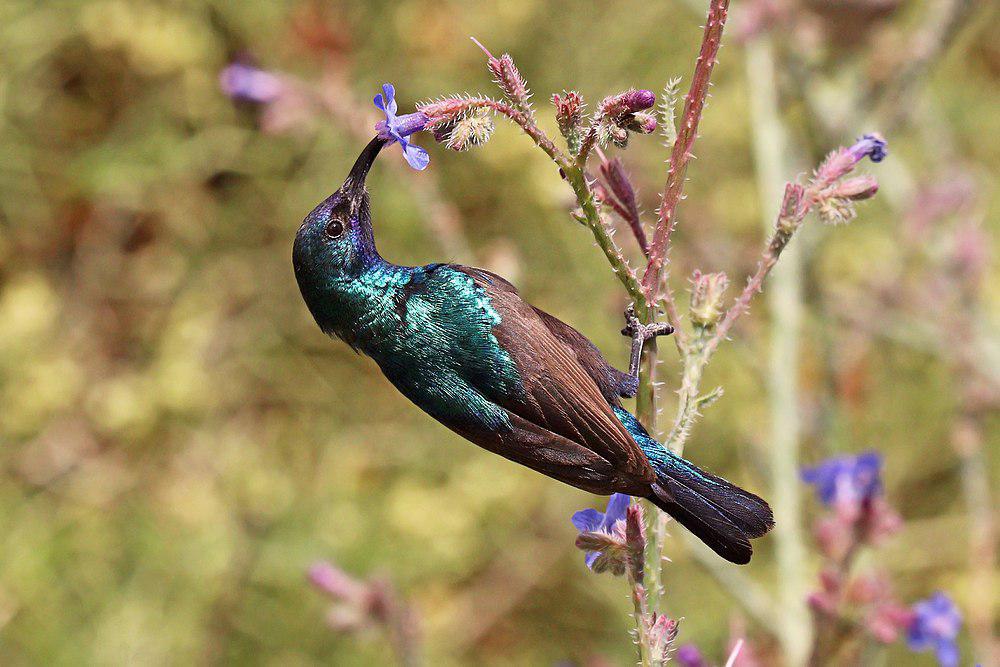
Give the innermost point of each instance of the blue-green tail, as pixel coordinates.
(720, 514)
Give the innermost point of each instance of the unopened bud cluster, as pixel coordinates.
(623, 113)
(707, 292)
(569, 115)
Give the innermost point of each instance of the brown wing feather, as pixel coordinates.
(560, 395)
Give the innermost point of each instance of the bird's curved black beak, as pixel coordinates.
(354, 185)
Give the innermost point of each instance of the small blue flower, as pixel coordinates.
(250, 84)
(592, 521)
(847, 480)
(870, 145)
(936, 623)
(398, 128)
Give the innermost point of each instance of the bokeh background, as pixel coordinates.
(179, 442)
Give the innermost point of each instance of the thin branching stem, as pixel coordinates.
(694, 103)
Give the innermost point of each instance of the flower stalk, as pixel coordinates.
(620, 549)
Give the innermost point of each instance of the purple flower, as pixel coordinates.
(688, 655)
(935, 624)
(610, 522)
(848, 481)
(398, 128)
(629, 102)
(871, 146)
(250, 84)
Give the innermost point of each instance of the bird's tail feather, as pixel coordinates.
(720, 514)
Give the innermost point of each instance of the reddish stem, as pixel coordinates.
(694, 103)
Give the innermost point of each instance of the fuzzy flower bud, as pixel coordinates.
(706, 298)
(857, 189)
(836, 210)
(662, 634)
(613, 171)
(629, 102)
(444, 111)
(569, 110)
(569, 115)
(508, 78)
(642, 122)
(474, 130)
(626, 112)
(615, 134)
(635, 533)
(790, 216)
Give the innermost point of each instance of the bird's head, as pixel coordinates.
(335, 241)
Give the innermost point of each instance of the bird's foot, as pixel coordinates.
(640, 333)
(637, 330)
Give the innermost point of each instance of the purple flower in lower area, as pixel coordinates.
(847, 482)
(936, 623)
(871, 146)
(398, 128)
(688, 655)
(247, 83)
(602, 529)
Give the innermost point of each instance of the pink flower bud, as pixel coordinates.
(635, 530)
(335, 582)
(629, 102)
(707, 298)
(443, 111)
(662, 633)
(857, 188)
(569, 110)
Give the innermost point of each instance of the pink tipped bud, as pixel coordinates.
(707, 298)
(335, 582)
(662, 634)
(628, 102)
(569, 111)
(887, 621)
(879, 521)
(857, 189)
(643, 123)
(613, 171)
(506, 75)
(635, 530)
(835, 535)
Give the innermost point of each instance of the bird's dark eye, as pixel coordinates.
(334, 228)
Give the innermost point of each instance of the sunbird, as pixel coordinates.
(462, 344)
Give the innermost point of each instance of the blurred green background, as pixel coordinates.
(179, 441)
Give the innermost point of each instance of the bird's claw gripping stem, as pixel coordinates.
(640, 333)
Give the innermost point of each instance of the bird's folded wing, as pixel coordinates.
(559, 394)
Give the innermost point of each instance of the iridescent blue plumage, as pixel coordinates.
(466, 348)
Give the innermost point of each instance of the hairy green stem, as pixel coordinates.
(785, 303)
